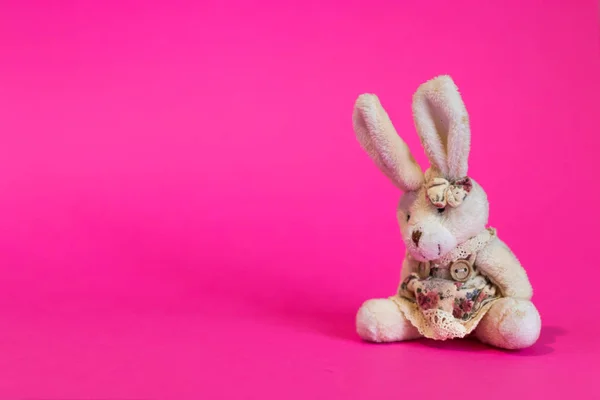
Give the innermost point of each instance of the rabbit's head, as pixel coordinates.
(442, 207)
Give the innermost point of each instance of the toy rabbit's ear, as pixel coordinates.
(378, 137)
(442, 122)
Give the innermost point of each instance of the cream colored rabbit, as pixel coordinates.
(457, 277)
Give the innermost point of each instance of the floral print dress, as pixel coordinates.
(443, 308)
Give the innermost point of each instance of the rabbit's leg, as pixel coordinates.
(380, 320)
(510, 324)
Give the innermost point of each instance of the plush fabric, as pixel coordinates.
(510, 324)
(380, 320)
(442, 122)
(443, 216)
(378, 137)
(499, 263)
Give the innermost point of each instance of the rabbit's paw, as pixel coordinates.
(510, 324)
(380, 320)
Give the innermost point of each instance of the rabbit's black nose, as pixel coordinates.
(416, 235)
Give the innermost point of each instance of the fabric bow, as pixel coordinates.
(442, 192)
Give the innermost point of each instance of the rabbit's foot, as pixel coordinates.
(380, 320)
(510, 324)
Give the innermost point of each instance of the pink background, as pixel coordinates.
(187, 214)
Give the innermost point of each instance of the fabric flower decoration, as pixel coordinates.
(442, 192)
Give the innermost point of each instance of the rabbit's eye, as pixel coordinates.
(407, 217)
(441, 210)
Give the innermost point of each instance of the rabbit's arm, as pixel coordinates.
(497, 262)
(409, 265)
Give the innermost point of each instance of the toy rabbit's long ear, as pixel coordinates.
(442, 122)
(378, 137)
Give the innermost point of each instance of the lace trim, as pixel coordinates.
(465, 249)
(438, 324)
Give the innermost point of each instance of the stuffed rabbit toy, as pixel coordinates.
(458, 278)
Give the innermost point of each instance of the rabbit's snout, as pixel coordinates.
(416, 236)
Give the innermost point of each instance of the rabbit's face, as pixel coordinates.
(429, 233)
(442, 123)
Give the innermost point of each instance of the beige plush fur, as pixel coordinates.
(510, 324)
(381, 321)
(442, 123)
(377, 136)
